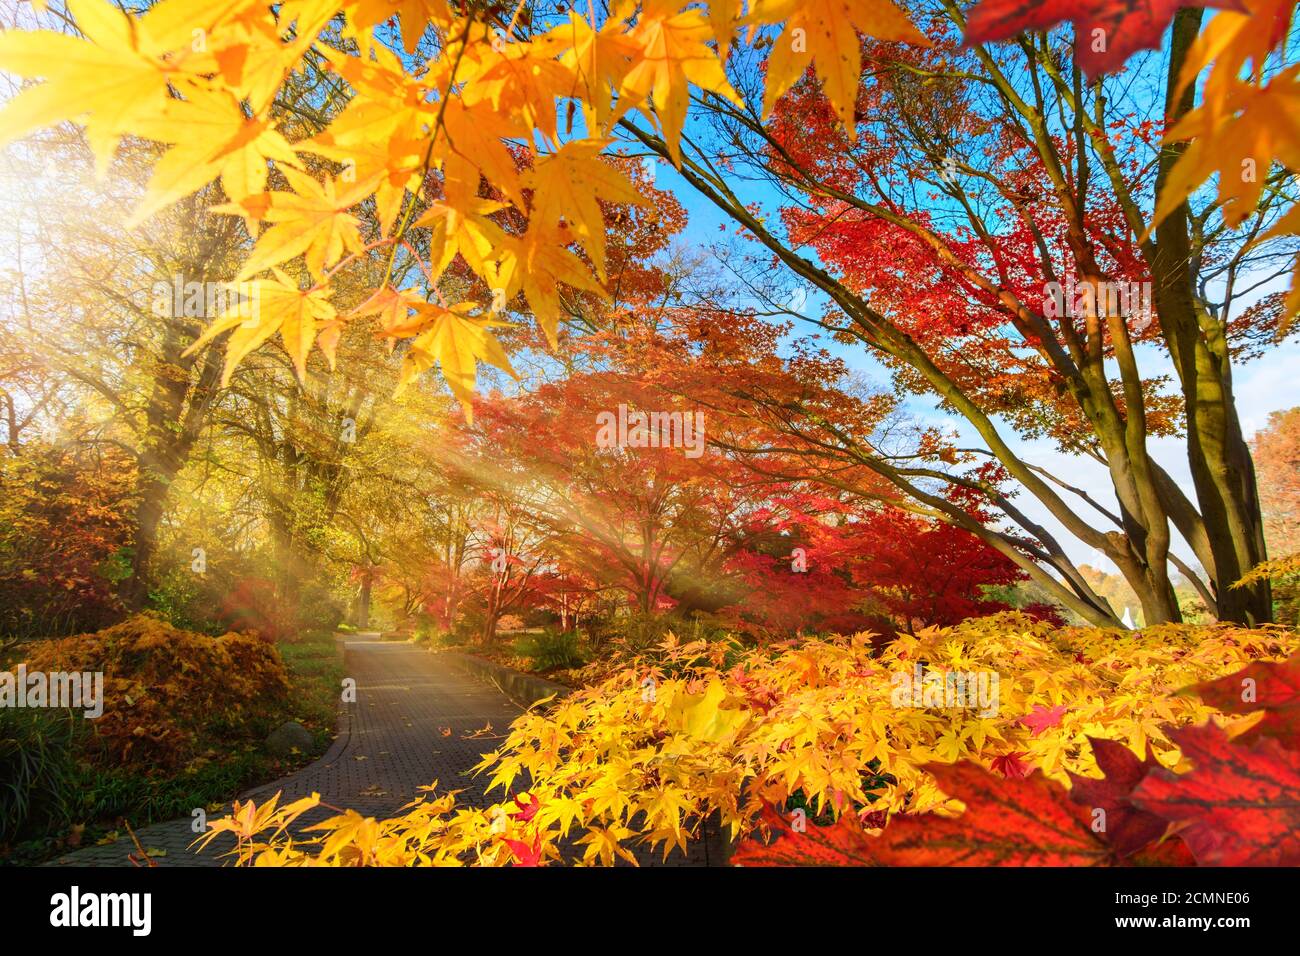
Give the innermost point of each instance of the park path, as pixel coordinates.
(393, 740)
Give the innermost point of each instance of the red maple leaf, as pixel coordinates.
(873, 819)
(1239, 802)
(843, 843)
(1010, 765)
(1008, 822)
(524, 854)
(1040, 718)
(527, 810)
(1027, 822)
(1126, 828)
(1271, 687)
(1107, 32)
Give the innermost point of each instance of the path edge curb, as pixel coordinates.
(524, 689)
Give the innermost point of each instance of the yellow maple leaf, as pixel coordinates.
(672, 52)
(313, 220)
(457, 343)
(604, 844)
(392, 306)
(825, 33)
(567, 186)
(253, 58)
(538, 263)
(213, 138)
(1232, 39)
(701, 717)
(598, 60)
(182, 27)
(724, 18)
(520, 80)
(1239, 137)
(461, 225)
(105, 80)
(266, 307)
(415, 15)
(476, 136)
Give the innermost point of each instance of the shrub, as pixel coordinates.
(318, 609)
(550, 650)
(64, 540)
(638, 632)
(168, 692)
(702, 728)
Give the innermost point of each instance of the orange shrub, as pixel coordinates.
(168, 692)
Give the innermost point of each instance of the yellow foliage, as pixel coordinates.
(1276, 568)
(200, 80)
(645, 755)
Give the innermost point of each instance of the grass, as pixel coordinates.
(315, 683)
(543, 652)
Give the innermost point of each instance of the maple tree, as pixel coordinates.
(861, 567)
(121, 369)
(1276, 448)
(1277, 456)
(960, 278)
(646, 522)
(165, 689)
(710, 526)
(535, 231)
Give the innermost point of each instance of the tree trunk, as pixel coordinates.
(363, 604)
(1222, 470)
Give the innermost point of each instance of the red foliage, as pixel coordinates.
(1108, 31)
(65, 530)
(1238, 802)
(1271, 687)
(252, 607)
(1128, 828)
(1276, 450)
(863, 567)
(843, 843)
(1236, 806)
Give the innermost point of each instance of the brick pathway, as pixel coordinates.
(390, 743)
